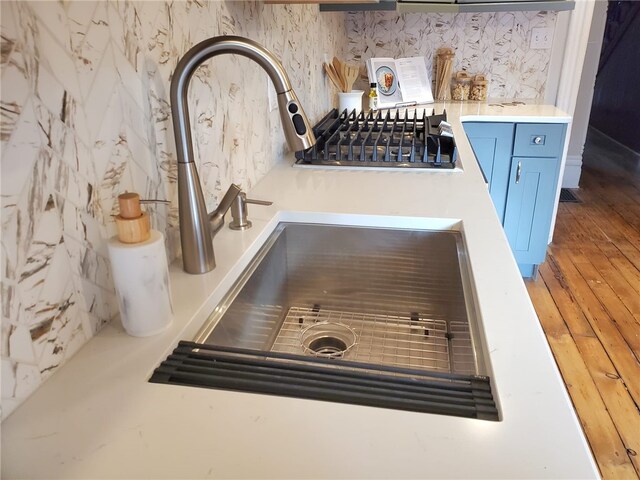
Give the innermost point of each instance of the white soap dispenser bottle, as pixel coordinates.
(140, 271)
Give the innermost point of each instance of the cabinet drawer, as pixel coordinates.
(539, 140)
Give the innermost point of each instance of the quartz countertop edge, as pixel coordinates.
(98, 417)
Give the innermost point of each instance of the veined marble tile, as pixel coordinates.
(105, 85)
(50, 347)
(91, 32)
(495, 44)
(59, 61)
(78, 158)
(101, 304)
(148, 13)
(30, 206)
(51, 128)
(132, 38)
(94, 234)
(109, 135)
(46, 238)
(27, 39)
(80, 15)
(477, 51)
(6, 47)
(70, 186)
(12, 98)
(91, 52)
(116, 178)
(129, 78)
(142, 155)
(53, 17)
(51, 93)
(19, 157)
(8, 21)
(5, 330)
(71, 333)
(92, 119)
(76, 121)
(20, 345)
(159, 130)
(76, 251)
(133, 113)
(9, 255)
(58, 277)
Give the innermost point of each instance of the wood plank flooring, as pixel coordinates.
(587, 296)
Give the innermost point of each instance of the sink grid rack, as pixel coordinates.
(410, 341)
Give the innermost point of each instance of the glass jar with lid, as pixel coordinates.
(461, 86)
(479, 87)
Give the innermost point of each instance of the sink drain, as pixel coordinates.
(328, 346)
(327, 339)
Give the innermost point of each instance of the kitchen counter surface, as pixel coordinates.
(98, 416)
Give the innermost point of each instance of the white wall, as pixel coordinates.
(573, 166)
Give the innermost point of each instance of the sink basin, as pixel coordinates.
(379, 310)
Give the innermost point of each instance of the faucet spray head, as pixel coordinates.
(295, 124)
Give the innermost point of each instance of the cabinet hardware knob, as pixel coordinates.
(539, 140)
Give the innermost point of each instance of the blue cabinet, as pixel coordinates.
(527, 219)
(521, 163)
(492, 144)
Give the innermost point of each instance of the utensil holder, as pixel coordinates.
(350, 101)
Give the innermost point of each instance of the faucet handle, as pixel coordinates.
(239, 211)
(216, 218)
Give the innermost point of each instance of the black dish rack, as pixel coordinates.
(377, 139)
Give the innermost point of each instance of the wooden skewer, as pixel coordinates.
(337, 67)
(333, 77)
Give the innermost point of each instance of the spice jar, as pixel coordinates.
(479, 88)
(461, 86)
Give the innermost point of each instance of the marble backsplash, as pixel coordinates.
(86, 116)
(495, 44)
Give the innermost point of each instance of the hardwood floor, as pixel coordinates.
(587, 296)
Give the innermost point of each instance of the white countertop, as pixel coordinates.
(98, 416)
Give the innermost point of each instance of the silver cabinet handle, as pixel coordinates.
(518, 172)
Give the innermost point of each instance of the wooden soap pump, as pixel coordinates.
(133, 224)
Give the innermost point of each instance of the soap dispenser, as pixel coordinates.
(140, 271)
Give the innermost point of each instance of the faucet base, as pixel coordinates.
(195, 232)
(238, 226)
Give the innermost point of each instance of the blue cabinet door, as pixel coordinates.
(492, 144)
(529, 207)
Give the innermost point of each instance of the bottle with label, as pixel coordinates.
(373, 97)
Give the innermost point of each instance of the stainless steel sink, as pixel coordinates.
(381, 296)
(372, 316)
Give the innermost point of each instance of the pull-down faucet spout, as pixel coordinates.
(196, 236)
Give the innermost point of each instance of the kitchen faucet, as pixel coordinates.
(196, 229)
